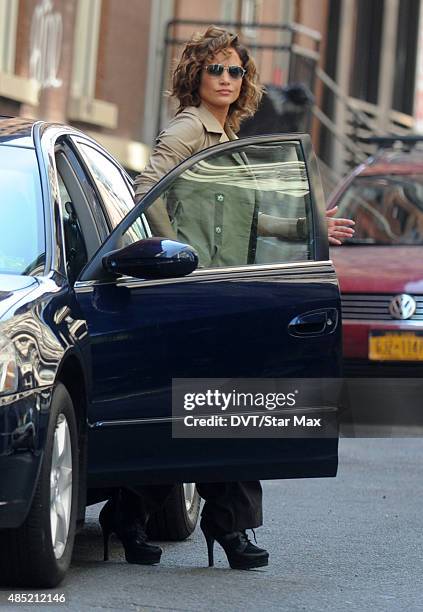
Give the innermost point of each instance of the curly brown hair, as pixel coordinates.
(187, 75)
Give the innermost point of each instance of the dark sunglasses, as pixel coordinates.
(235, 72)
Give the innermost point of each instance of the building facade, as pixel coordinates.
(103, 65)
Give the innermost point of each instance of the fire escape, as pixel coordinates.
(287, 56)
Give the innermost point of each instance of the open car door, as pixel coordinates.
(257, 306)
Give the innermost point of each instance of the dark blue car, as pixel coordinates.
(98, 316)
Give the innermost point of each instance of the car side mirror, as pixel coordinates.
(152, 258)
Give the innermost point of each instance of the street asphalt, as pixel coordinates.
(354, 542)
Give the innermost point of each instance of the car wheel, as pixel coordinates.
(178, 517)
(38, 553)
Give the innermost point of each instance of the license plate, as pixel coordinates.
(396, 346)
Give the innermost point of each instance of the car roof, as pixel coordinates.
(404, 158)
(19, 131)
(16, 131)
(394, 162)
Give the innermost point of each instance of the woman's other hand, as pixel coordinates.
(338, 229)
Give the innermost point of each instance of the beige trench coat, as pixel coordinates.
(193, 130)
(218, 219)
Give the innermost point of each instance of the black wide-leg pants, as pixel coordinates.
(229, 506)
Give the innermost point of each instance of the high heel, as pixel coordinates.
(210, 547)
(130, 532)
(107, 531)
(240, 552)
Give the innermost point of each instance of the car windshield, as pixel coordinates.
(387, 210)
(22, 240)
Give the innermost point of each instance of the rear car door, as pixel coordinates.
(257, 307)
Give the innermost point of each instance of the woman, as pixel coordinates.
(216, 85)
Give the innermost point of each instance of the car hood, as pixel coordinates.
(13, 288)
(374, 269)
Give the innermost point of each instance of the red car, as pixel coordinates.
(380, 269)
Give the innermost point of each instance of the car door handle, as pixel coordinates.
(314, 323)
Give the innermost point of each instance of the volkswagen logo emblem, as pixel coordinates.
(402, 306)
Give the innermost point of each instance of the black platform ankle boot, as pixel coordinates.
(241, 553)
(130, 530)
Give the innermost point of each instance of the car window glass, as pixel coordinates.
(112, 187)
(238, 208)
(75, 249)
(22, 239)
(386, 209)
(87, 184)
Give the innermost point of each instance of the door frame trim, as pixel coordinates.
(305, 269)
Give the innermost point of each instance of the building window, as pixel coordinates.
(366, 58)
(405, 56)
(249, 14)
(87, 30)
(83, 105)
(8, 25)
